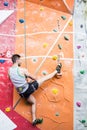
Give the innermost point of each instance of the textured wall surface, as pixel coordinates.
(39, 34)
(45, 29)
(80, 65)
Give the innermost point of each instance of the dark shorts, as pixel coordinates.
(31, 88)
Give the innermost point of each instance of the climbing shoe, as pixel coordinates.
(37, 121)
(58, 68)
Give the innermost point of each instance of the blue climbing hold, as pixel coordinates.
(2, 61)
(5, 3)
(21, 20)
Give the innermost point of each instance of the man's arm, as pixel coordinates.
(28, 75)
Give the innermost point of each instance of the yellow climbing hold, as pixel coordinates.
(54, 57)
(45, 45)
(54, 91)
(8, 109)
(70, 23)
(41, 8)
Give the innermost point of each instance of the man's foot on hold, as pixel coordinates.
(37, 121)
(58, 68)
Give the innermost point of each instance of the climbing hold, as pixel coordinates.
(84, 1)
(5, 3)
(59, 46)
(57, 114)
(45, 45)
(63, 17)
(55, 57)
(78, 47)
(54, 30)
(44, 72)
(8, 109)
(70, 23)
(81, 26)
(41, 8)
(85, 124)
(66, 38)
(83, 121)
(82, 71)
(54, 91)
(21, 20)
(34, 59)
(78, 104)
(2, 61)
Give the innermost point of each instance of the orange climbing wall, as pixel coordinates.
(55, 97)
(55, 4)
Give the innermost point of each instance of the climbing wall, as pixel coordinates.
(9, 119)
(42, 34)
(80, 72)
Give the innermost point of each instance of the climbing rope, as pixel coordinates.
(25, 33)
(19, 99)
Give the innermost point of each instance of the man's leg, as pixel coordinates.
(47, 77)
(35, 121)
(32, 100)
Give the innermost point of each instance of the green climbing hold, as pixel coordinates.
(63, 17)
(59, 46)
(57, 114)
(83, 121)
(34, 60)
(82, 71)
(54, 30)
(66, 38)
(44, 72)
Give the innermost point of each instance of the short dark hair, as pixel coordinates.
(15, 57)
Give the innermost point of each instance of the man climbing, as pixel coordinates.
(19, 75)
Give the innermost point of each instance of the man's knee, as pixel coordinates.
(34, 101)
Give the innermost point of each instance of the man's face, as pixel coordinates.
(19, 61)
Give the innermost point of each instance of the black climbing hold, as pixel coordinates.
(81, 26)
(59, 46)
(84, 1)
